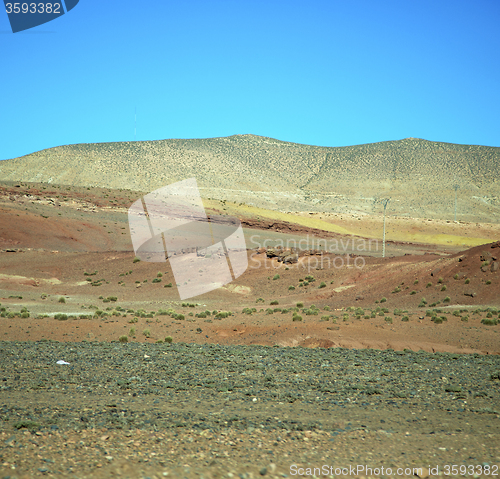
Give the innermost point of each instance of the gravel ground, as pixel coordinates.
(189, 410)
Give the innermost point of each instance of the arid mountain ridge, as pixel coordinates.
(418, 175)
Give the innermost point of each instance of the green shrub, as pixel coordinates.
(147, 333)
(325, 318)
(397, 289)
(488, 282)
(291, 288)
(455, 276)
(428, 285)
(310, 278)
(300, 305)
(276, 276)
(383, 300)
(168, 339)
(489, 322)
(156, 280)
(440, 280)
(467, 281)
(136, 260)
(447, 299)
(405, 318)
(413, 292)
(464, 318)
(322, 285)
(443, 288)
(131, 332)
(123, 339)
(259, 300)
(61, 317)
(274, 302)
(296, 317)
(62, 299)
(25, 314)
(159, 275)
(113, 298)
(415, 282)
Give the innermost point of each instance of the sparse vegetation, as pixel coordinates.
(62, 299)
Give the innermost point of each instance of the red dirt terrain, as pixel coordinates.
(68, 273)
(50, 240)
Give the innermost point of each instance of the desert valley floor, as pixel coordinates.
(343, 358)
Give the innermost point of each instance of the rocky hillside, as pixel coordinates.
(417, 175)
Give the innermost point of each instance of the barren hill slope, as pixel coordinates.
(418, 175)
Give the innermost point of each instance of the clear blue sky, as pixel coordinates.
(330, 73)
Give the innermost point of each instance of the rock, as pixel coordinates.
(359, 298)
(472, 294)
(484, 268)
(494, 267)
(486, 256)
(291, 258)
(424, 473)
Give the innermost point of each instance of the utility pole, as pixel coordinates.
(455, 187)
(384, 202)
